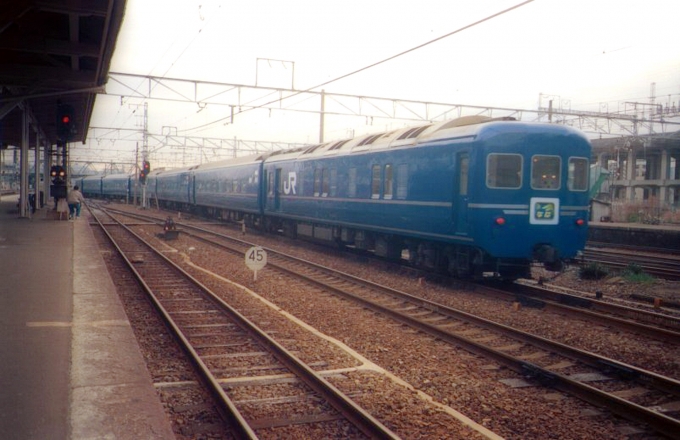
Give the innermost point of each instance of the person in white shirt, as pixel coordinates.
(74, 199)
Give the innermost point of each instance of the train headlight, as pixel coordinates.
(500, 221)
(580, 222)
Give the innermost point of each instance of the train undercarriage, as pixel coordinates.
(460, 261)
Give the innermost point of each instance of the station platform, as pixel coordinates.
(70, 366)
(656, 236)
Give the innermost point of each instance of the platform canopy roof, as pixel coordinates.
(54, 54)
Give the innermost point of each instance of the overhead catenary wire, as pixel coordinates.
(174, 62)
(420, 46)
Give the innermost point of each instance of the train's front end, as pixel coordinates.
(532, 201)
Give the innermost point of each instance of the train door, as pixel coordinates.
(277, 189)
(461, 188)
(191, 189)
(274, 189)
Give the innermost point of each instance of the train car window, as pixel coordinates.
(504, 171)
(317, 182)
(407, 133)
(389, 182)
(375, 182)
(417, 132)
(338, 145)
(271, 182)
(334, 182)
(352, 182)
(545, 172)
(402, 181)
(578, 174)
(463, 173)
(369, 140)
(325, 182)
(312, 148)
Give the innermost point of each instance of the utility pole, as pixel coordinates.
(322, 115)
(652, 104)
(136, 175)
(145, 152)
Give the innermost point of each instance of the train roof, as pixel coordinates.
(107, 176)
(169, 172)
(236, 161)
(461, 127)
(426, 133)
(116, 176)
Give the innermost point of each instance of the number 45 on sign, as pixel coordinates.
(256, 259)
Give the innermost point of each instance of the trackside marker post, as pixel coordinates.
(256, 259)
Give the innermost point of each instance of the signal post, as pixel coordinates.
(143, 174)
(58, 172)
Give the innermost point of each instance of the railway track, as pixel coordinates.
(639, 395)
(651, 323)
(233, 356)
(633, 248)
(664, 327)
(663, 265)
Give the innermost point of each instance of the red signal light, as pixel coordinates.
(500, 221)
(580, 222)
(65, 122)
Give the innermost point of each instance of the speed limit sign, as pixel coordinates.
(256, 259)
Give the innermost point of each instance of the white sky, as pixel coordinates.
(586, 52)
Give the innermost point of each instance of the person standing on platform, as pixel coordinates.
(74, 199)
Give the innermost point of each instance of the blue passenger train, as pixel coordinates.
(470, 196)
(111, 186)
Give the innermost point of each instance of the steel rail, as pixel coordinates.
(562, 301)
(228, 408)
(587, 306)
(657, 421)
(667, 267)
(344, 405)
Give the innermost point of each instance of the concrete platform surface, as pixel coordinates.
(70, 367)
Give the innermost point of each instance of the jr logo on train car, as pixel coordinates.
(289, 186)
(544, 211)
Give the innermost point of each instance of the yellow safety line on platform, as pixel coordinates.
(108, 323)
(49, 324)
